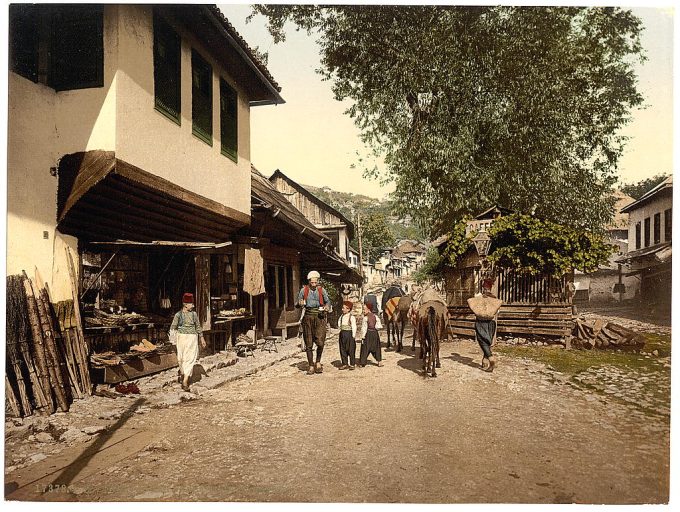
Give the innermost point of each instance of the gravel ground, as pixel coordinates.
(523, 434)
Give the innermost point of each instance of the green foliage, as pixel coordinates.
(432, 269)
(479, 105)
(375, 236)
(458, 242)
(333, 292)
(638, 189)
(538, 246)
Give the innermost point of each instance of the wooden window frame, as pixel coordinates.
(167, 41)
(200, 66)
(668, 224)
(228, 120)
(647, 231)
(657, 228)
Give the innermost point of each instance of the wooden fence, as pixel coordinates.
(522, 319)
(523, 288)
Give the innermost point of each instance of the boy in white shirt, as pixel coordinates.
(348, 331)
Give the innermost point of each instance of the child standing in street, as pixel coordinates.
(348, 331)
(370, 337)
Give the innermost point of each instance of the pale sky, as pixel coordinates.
(311, 140)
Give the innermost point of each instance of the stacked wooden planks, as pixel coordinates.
(601, 334)
(48, 364)
(520, 319)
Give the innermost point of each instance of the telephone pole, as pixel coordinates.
(361, 256)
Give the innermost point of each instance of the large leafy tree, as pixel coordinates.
(474, 106)
(376, 236)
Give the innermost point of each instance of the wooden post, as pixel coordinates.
(361, 257)
(11, 399)
(26, 409)
(53, 362)
(81, 346)
(40, 356)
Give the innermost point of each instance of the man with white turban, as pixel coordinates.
(315, 300)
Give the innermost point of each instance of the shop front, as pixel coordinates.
(143, 242)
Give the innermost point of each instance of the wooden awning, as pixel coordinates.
(102, 198)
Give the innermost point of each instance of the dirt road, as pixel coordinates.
(373, 435)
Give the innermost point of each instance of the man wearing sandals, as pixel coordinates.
(315, 300)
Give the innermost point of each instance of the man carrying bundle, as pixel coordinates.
(485, 306)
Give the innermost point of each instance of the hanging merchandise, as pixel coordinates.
(253, 272)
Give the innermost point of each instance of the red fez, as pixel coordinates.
(188, 298)
(369, 306)
(487, 283)
(348, 304)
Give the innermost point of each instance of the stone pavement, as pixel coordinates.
(34, 438)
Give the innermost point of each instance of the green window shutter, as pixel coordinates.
(77, 47)
(24, 26)
(228, 120)
(201, 97)
(166, 69)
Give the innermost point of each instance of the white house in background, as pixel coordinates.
(650, 233)
(353, 258)
(126, 122)
(603, 285)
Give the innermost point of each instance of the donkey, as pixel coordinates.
(401, 316)
(431, 328)
(390, 300)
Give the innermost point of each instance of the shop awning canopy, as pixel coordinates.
(102, 198)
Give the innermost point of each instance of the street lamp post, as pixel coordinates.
(482, 243)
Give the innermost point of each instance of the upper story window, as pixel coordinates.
(228, 120)
(61, 46)
(166, 69)
(24, 21)
(668, 225)
(647, 233)
(657, 228)
(201, 97)
(638, 235)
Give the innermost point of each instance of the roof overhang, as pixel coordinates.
(648, 257)
(665, 188)
(102, 198)
(209, 25)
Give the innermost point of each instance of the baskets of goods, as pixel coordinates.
(234, 312)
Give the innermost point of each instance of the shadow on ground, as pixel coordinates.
(467, 361)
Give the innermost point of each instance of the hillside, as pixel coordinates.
(349, 204)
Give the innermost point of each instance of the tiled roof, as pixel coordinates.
(242, 42)
(665, 184)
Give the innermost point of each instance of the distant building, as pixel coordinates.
(323, 216)
(650, 231)
(604, 285)
(353, 260)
